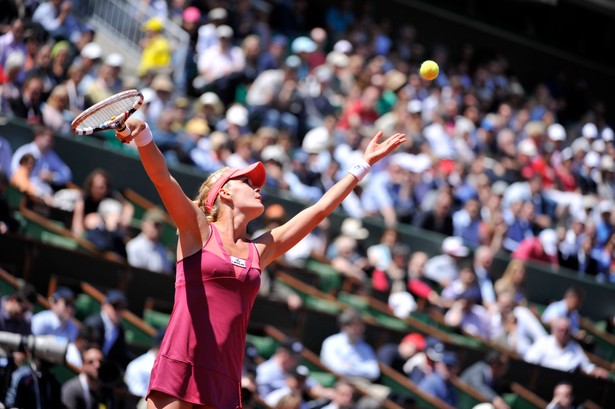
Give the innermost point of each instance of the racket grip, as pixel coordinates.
(123, 131)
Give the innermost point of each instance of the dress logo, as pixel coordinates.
(238, 261)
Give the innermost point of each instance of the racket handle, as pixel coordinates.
(123, 131)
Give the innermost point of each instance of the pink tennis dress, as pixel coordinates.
(201, 357)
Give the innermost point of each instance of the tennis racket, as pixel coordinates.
(110, 113)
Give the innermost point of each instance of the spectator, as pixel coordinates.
(347, 354)
(395, 355)
(207, 36)
(344, 396)
(28, 104)
(466, 222)
(567, 307)
(543, 248)
(139, 369)
(22, 181)
(12, 41)
(16, 310)
(83, 391)
(466, 281)
(59, 318)
(487, 376)
(294, 386)
(513, 280)
(559, 351)
(56, 17)
(147, 250)
(49, 172)
(439, 383)
(156, 49)
(563, 397)
(97, 187)
(483, 260)
(270, 375)
(444, 268)
(103, 229)
(438, 219)
(347, 259)
(468, 315)
(105, 328)
(55, 111)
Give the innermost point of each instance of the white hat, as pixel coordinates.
(527, 147)
(454, 246)
(114, 60)
(608, 135)
(316, 140)
(463, 126)
(415, 106)
(422, 162)
(148, 95)
(567, 154)
(607, 163)
(548, 240)
(499, 188)
(404, 160)
(599, 146)
(275, 153)
(338, 59)
(556, 132)
(343, 46)
(303, 45)
(605, 206)
(224, 31)
(237, 115)
(592, 159)
(91, 51)
(589, 130)
(217, 13)
(352, 227)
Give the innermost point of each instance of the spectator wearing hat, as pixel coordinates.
(438, 383)
(220, 66)
(444, 268)
(487, 376)
(156, 50)
(11, 88)
(139, 369)
(91, 58)
(207, 36)
(271, 374)
(105, 328)
(58, 319)
(162, 97)
(295, 385)
(395, 355)
(271, 96)
(146, 250)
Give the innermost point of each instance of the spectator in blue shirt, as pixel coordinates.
(439, 383)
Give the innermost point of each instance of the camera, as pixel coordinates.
(50, 348)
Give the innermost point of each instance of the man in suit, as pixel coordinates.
(485, 375)
(83, 391)
(105, 329)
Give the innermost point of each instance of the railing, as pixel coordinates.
(124, 19)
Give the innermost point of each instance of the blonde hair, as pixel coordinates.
(506, 281)
(204, 191)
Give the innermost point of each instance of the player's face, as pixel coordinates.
(246, 195)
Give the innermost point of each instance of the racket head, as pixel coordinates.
(110, 113)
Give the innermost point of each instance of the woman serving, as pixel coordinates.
(218, 272)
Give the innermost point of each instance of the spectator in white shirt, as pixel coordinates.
(139, 369)
(559, 351)
(146, 250)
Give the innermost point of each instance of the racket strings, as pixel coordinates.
(108, 112)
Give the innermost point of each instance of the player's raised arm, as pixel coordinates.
(282, 238)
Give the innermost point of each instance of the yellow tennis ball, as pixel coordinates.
(429, 70)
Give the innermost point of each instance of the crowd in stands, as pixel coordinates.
(491, 163)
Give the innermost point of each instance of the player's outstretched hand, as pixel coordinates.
(135, 126)
(377, 149)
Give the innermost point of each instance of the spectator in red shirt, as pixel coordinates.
(542, 248)
(361, 112)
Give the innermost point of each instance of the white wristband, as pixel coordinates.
(144, 137)
(360, 169)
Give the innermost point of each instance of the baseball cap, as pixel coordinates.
(343, 46)
(224, 31)
(64, 293)
(556, 132)
(115, 297)
(303, 45)
(191, 14)
(255, 172)
(434, 349)
(292, 62)
(417, 339)
(589, 130)
(415, 106)
(153, 24)
(217, 13)
(237, 115)
(92, 51)
(548, 239)
(454, 246)
(114, 60)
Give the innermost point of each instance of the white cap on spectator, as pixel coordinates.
(592, 159)
(556, 132)
(224, 31)
(343, 46)
(567, 154)
(352, 227)
(162, 82)
(463, 126)
(303, 45)
(275, 153)
(499, 188)
(237, 115)
(91, 51)
(454, 246)
(548, 240)
(527, 147)
(15, 59)
(415, 106)
(114, 60)
(605, 206)
(217, 13)
(589, 130)
(607, 163)
(316, 140)
(338, 59)
(148, 95)
(607, 134)
(598, 146)
(212, 99)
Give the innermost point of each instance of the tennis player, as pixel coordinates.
(218, 272)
